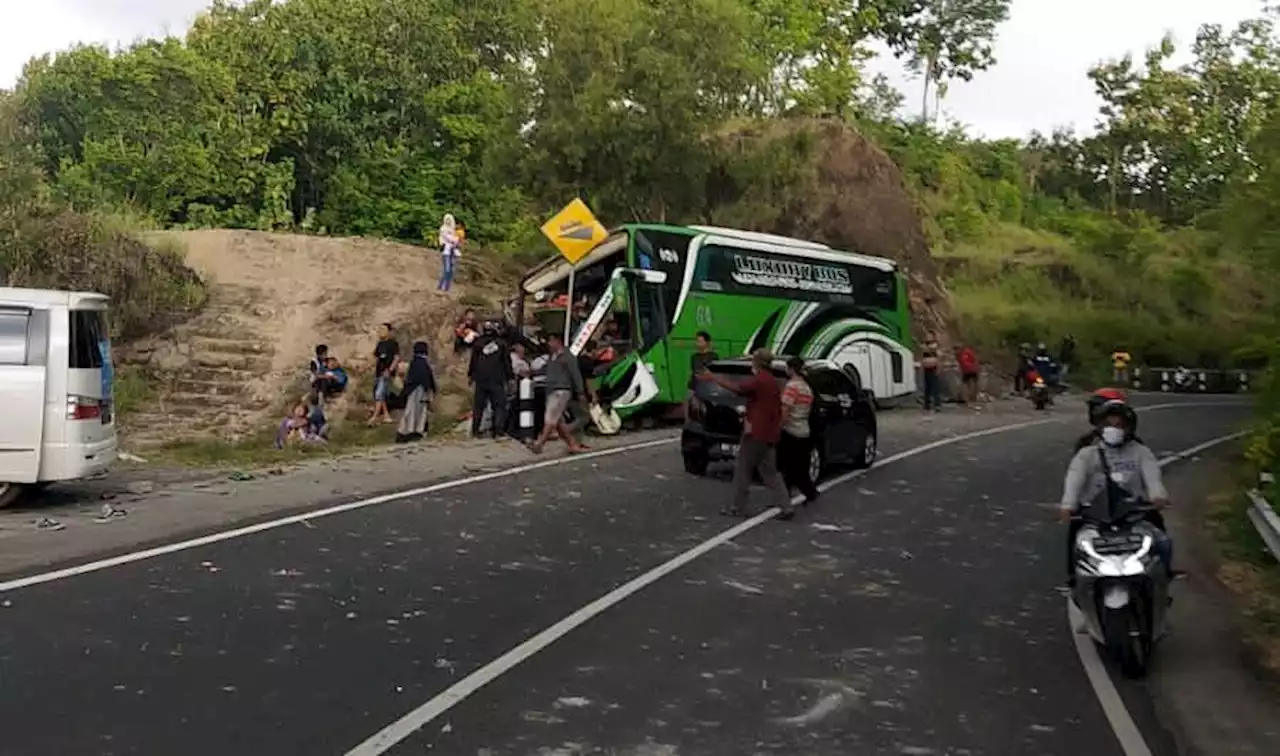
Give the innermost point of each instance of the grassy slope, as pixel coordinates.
(1019, 284)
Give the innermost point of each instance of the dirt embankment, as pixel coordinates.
(230, 371)
(822, 180)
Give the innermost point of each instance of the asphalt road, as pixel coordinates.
(911, 611)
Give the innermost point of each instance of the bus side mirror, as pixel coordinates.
(647, 276)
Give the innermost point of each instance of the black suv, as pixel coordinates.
(842, 422)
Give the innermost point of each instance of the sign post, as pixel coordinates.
(575, 232)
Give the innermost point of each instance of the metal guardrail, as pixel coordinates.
(1191, 380)
(1265, 520)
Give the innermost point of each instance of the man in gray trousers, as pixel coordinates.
(762, 428)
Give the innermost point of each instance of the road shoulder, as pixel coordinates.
(1208, 685)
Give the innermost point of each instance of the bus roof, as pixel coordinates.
(757, 236)
(556, 268)
(85, 300)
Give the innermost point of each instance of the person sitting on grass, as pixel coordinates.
(296, 428)
(331, 380)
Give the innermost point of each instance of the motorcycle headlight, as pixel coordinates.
(1119, 564)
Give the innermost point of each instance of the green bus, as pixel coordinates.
(648, 289)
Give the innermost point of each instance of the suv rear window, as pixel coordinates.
(88, 335)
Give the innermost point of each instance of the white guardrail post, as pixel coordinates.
(1264, 518)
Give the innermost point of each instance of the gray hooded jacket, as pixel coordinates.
(1133, 467)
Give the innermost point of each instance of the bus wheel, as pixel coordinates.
(9, 494)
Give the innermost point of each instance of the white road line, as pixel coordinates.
(1127, 732)
(416, 719)
(227, 535)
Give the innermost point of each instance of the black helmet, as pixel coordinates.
(1101, 397)
(1120, 408)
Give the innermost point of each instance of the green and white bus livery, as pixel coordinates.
(661, 285)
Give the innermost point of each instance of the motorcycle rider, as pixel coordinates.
(1044, 365)
(1099, 398)
(1116, 465)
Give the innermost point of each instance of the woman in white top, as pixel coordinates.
(449, 251)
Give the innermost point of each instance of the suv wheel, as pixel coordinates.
(696, 464)
(815, 463)
(865, 455)
(9, 494)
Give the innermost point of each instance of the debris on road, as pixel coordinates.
(48, 523)
(110, 512)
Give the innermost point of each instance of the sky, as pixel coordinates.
(1038, 83)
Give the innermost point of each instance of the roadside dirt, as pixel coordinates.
(165, 505)
(1209, 680)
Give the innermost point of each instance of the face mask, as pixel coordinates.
(1112, 436)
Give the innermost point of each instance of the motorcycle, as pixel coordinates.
(1121, 587)
(1039, 393)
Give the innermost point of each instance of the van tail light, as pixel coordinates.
(83, 408)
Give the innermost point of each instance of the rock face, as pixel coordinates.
(823, 181)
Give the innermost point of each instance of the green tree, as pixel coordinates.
(946, 40)
(1175, 137)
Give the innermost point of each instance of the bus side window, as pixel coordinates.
(896, 365)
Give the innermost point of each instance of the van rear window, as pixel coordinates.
(88, 334)
(13, 337)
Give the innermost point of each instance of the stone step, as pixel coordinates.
(220, 375)
(230, 345)
(218, 331)
(207, 388)
(223, 401)
(255, 364)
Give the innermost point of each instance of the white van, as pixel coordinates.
(55, 388)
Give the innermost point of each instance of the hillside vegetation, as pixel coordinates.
(374, 117)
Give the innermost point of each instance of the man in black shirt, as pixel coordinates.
(386, 357)
(701, 358)
(489, 371)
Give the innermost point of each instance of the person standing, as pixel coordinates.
(795, 445)
(967, 361)
(1020, 384)
(489, 373)
(929, 364)
(450, 248)
(1066, 356)
(419, 390)
(563, 382)
(1120, 360)
(703, 355)
(386, 360)
(762, 429)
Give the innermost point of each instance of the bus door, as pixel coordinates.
(642, 376)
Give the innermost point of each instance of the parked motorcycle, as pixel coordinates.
(1040, 395)
(1121, 586)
